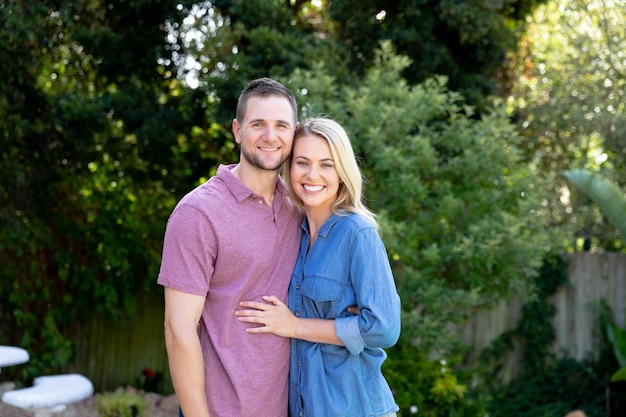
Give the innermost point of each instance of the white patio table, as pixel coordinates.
(12, 355)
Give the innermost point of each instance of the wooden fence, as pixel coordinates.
(114, 354)
(593, 278)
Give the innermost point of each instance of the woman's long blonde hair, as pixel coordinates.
(350, 193)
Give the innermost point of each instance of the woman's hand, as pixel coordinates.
(273, 316)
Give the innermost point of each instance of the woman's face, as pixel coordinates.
(314, 178)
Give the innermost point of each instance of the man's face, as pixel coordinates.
(266, 133)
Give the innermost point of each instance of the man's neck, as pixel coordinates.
(260, 181)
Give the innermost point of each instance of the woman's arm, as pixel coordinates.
(275, 317)
(371, 278)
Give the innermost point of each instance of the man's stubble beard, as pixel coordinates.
(257, 163)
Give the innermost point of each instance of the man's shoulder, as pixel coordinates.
(210, 197)
(209, 191)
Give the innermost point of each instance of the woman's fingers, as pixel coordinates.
(273, 299)
(248, 314)
(270, 316)
(253, 304)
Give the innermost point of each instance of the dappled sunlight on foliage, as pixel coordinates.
(570, 104)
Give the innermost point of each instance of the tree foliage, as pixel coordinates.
(468, 41)
(95, 141)
(460, 209)
(569, 103)
(229, 45)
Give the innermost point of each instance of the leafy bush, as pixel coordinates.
(121, 403)
(560, 388)
(430, 388)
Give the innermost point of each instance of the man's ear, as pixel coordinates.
(236, 130)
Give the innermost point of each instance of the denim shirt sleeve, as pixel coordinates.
(378, 323)
(347, 329)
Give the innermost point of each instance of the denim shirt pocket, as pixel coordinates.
(322, 296)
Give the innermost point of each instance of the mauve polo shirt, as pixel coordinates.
(224, 242)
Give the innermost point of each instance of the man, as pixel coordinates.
(234, 238)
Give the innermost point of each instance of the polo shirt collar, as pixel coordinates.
(239, 190)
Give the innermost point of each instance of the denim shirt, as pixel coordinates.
(347, 265)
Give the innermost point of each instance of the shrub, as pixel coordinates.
(121, 403)
(429, 388)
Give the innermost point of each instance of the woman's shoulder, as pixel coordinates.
(354, 221)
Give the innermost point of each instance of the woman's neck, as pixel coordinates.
(316, 217)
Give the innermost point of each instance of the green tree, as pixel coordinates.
(96, 138)
(470, 42)
(569, 103)
(232, 41)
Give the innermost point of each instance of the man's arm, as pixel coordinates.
(182, 314)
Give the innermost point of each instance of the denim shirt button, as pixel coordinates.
(297, 314)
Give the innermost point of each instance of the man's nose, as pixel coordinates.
(270, 132)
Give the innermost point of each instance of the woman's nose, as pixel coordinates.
(312, 172)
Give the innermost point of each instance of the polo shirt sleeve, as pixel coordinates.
(188, 251)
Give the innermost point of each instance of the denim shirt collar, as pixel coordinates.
(327, 226)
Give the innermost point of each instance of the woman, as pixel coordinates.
(336, 356)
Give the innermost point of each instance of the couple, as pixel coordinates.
(228, 269)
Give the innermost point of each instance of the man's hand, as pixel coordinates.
(353, 309)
